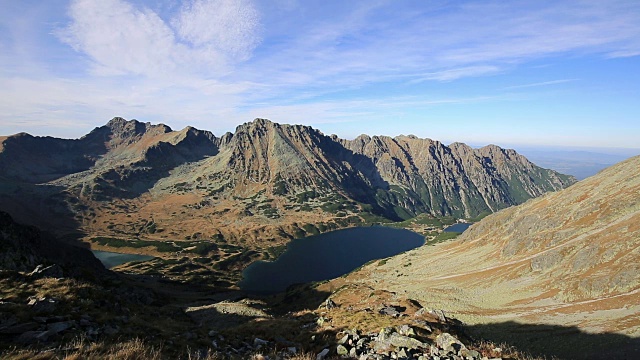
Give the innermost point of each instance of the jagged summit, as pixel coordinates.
(396, 178)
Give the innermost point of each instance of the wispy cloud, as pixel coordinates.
(453, 74)
(543, 83)
(443, 42)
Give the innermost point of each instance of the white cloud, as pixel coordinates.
(228, 26)
(123, 39)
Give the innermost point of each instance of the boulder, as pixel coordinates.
(398, 341)
(406, 330)
(342, 350)
(392, 310)
(448, 343)
(330, 304)
(469, 354)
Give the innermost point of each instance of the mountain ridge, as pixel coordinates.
(290, 168)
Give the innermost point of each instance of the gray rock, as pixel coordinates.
(259, 342)
(292, 350)
(439, 314)
(344, 339)
(385, 333)
(448, 343)
(330, 304)
(433, 350)
(406, 330)
(353, 352)
(394, 311)
(322, 354)
(423, 324)
(342, 350)
(398, 340)
(57, 327)
(469, 354)
(402, 354)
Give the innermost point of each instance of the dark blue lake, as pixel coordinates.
(111, 259)
(460, 227)
(327, 256)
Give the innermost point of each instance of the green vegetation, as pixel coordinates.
(306, 196)
(426, 220)
(203, 248)
(443, 236)
(195, 247)
(161, 246)
(275, 251)
(311, 229)
(280, 186)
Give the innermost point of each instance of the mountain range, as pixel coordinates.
(269, 180)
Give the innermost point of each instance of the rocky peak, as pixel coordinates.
(257, 125)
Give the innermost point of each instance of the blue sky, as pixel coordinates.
(506, 72)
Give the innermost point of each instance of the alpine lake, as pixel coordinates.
(315, 258)
(111, 259)
(326, 256)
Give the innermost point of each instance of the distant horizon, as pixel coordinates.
(540, 73)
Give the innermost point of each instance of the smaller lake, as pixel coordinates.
(111, 259)
(460, 227)
(327, 256)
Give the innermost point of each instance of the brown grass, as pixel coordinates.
(81, 349)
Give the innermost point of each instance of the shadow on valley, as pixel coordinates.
(564, 342)
(238, 324)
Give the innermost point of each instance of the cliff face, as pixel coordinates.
(427, 176)
(288, 168)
